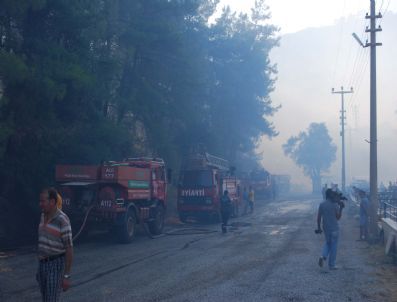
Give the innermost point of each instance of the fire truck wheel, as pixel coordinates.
(157, 225)
(126, 232)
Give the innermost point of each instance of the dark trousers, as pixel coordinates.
(225, 218)
(246, 205)
(251, 205)
(364, 231)
(50, 276)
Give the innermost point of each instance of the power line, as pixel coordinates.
(361, 69)
(381, 5)
(360, 63)
(355, 25)
(357, 80)
(339, 42)
(385, 11)
(358, 60)
(387, 8)
(353, 98)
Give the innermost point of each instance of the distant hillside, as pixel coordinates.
(313, 61)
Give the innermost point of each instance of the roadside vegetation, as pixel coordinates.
(312, 150)
(85, 81)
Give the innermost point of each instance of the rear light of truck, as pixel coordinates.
(120, 202)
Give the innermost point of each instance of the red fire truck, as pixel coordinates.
(262, 183)
(203, 179)
(119, 195)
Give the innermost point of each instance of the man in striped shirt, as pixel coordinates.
(55, 248)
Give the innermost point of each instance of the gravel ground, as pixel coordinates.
(268, 256)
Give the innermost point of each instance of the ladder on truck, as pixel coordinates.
(217, 162)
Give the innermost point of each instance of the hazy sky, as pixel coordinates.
(310, 62)
(294, 15)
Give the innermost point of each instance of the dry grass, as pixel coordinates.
(386, 270)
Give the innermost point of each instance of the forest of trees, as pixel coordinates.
(88, 80)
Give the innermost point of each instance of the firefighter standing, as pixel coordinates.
(226, 206)
(251, 199)
(245, 200)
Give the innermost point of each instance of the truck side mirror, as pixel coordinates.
(169, 175)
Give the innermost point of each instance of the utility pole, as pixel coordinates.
(342, 92)
(373, 162)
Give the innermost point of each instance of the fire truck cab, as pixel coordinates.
(202, 182)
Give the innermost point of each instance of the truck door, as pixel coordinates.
(159, 183)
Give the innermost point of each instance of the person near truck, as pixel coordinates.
(55, 248)
(226, 207)
(251, 199)
(329, 213)
(245, 200)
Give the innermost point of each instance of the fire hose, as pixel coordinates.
(84, 222)
(202, 231)
(190, 231)
(181, 232)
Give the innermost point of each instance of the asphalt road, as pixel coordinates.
(270, 255)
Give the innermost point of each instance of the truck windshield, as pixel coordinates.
(197, 178)
(259, 175)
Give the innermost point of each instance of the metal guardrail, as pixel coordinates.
(388, 205)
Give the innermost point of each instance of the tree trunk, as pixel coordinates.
(316, 184)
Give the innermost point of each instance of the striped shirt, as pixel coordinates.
(55, 236)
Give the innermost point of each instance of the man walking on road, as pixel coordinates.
(329, 212)
(226, 206)
(55, 248)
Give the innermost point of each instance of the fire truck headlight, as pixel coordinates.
(208, 200)
(120, 201)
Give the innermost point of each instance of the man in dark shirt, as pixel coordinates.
(329, 212)
(226, 206)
